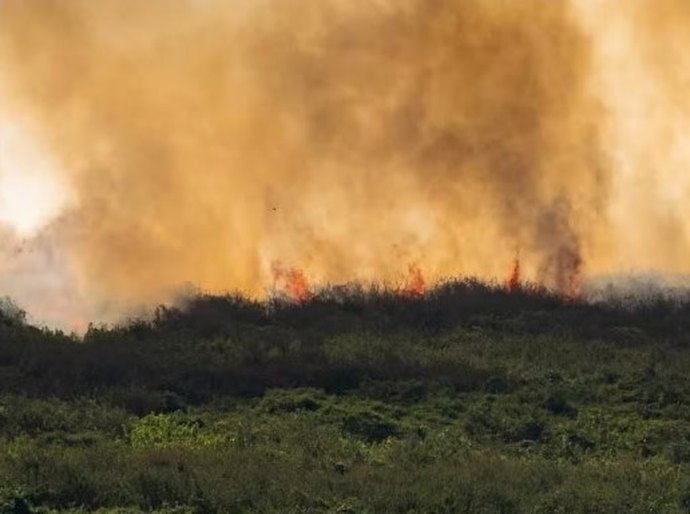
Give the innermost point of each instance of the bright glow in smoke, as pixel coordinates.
(31, 194)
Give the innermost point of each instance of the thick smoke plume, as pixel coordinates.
(206, 140)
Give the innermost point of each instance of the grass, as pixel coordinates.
(468, 399)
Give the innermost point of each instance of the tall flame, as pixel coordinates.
(513, 282)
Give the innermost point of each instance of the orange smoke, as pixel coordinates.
(340, 136)
(291, 282)
(200, 143)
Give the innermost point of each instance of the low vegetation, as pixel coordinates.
(466, 399)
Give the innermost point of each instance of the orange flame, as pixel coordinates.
(292, 282)
(415, 285)
(513, 283)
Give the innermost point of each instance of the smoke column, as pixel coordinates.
(642, 74)
(204, 141)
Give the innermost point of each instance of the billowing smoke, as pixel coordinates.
(206, 142)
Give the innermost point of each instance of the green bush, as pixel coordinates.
(467, 399)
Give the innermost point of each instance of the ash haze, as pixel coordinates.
(202, 141)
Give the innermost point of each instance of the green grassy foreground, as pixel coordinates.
(466, 400)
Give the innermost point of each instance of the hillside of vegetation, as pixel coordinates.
(465, 399)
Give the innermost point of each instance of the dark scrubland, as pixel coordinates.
(466, 399)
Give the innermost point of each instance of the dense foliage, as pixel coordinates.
(466, 399)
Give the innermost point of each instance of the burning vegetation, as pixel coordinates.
(290, 282)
